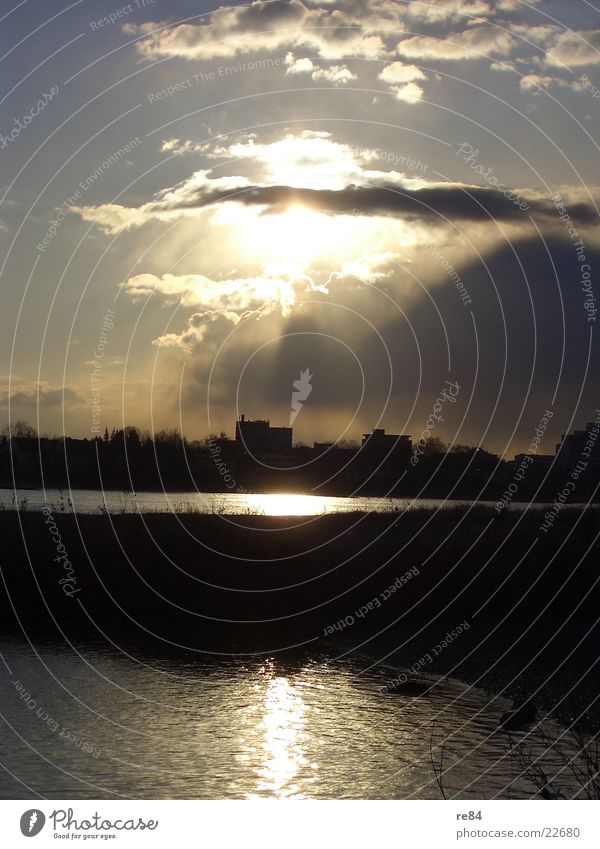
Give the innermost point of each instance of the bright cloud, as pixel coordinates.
(478, 42)
(535, 82)
(575, 48)
(409, 93)
(302, 65)
(399, 72)
(168, 205)
(336, 74)
(258, 27)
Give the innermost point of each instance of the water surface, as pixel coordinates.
(269, 504)
(107, 725)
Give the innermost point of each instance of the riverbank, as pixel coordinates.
(398, 583)
(553, 664)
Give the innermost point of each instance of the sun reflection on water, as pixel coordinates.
(279, 738)
(287, 504)
(283, 750)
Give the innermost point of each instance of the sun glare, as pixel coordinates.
(297, 236)
(286, 504)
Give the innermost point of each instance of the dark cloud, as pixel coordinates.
(273, 14)
(46, 398)
(468, 203)
(332, 31)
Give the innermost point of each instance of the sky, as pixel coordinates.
(201, 202)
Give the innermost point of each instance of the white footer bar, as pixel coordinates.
(273, 824)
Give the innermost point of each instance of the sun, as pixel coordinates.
(297, 236)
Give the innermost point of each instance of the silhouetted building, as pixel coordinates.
(580, 445)
(537, 460)
(258, 437)
(379, 444)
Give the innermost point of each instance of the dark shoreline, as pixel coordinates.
(569, 694)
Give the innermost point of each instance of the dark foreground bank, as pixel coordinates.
(461, 591)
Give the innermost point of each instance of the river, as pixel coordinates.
(97, 723)
(270, 504)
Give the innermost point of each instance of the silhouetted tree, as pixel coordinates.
(132, 436)
(19, 430)
(347, 443)
(434, 445)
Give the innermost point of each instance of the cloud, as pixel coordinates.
(199, 325)
(535, 82)
(399, 72)
(464, 202)
(251, 28)
(41, 397)
(312, 170)
(514, 363)
(448, 10)
(258, 27)
(409, 93)
(233, 297)
(168, 205)
(575, 48)
(439, 201)
(309, 159)
(503, 66)
(478, 42)
(462, 11)
(536, 34)
(336, 74)
(176, 146)
(271, 295)
(515, 5)
(299, 66)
